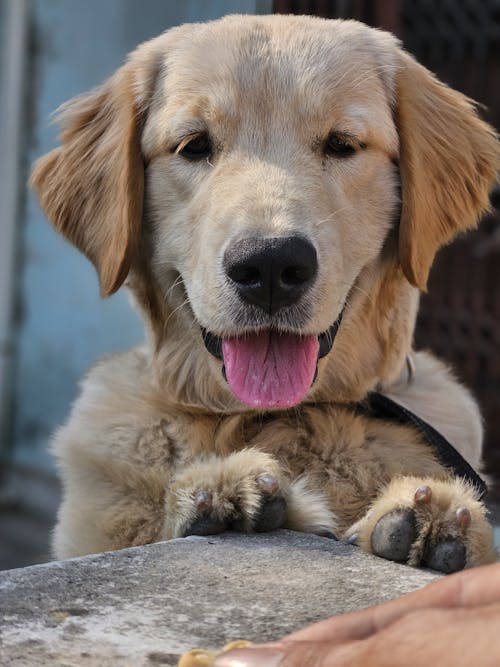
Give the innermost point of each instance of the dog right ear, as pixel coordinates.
(449, 160)
(91, 187)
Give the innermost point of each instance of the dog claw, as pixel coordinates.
(423, 495)
(463, 517)
(267, 483)
(328, 534)
(353, 540)
(203, 501)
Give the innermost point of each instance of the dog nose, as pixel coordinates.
(271, 273)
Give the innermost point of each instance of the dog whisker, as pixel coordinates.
(178, 281)
(379, 69)
(333, 215)
(184, 303)
(354, 287)
(363, 80)
(373, 74)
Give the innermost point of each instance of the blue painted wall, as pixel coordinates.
(64, 325)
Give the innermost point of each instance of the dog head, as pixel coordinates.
(259, 178)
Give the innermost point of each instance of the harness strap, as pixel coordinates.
(380, 406)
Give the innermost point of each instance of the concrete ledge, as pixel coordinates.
(145, 606)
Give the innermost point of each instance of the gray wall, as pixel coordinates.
(65, 326)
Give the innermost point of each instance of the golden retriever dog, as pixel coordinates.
(272, 191)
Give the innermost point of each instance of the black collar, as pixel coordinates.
(380, 406)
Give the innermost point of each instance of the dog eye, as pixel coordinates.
(198, 147)
(338, 146)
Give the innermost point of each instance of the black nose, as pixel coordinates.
(271, 273)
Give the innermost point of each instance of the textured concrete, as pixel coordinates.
(145, 606)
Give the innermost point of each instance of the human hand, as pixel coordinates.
(454, 621)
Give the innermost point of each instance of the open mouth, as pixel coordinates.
(268, 369)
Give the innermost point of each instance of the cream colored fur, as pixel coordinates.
(156, 425)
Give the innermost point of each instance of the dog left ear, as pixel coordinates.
(448, 163)
(91, 187)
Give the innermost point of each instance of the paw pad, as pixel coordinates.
(431, 531)
(394, 535)
(271, 516)
(205, 525)
(216, 512)
(447, 555)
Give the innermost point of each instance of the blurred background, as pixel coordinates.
(53, 325)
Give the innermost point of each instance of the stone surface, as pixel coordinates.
(143, 607)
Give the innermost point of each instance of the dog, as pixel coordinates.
(272, 191)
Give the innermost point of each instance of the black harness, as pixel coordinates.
(379, 406)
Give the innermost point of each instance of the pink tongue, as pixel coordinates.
(270, 370)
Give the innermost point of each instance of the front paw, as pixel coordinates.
(244, 491)
(438, 524)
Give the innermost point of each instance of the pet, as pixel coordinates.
(272, 191)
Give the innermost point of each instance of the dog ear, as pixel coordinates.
(448, 163)
(91, 187)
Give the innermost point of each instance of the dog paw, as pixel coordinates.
(245, 491)
(432, 523)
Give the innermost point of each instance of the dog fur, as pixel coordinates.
(156, 426)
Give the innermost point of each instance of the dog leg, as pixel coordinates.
(439, 524)
(244, 491)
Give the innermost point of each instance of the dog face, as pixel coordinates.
(270, 185)
(271, 151)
